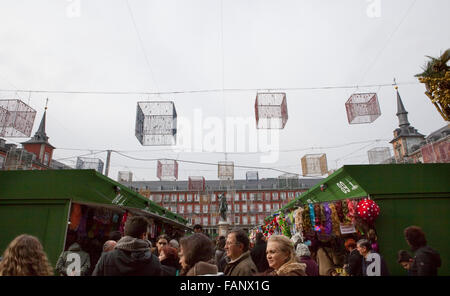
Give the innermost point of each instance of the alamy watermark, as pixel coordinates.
(73, 8)
(234, 134)
(374, 8)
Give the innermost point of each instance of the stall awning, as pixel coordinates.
(353, 181)
(81, 186)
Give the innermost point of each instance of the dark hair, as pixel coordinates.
(241, 237)
(136, 226)
(198, 226)
(163, 236)
(196, 247)
(403, 256)
(221, 242)
(415, 236)
(259, 237)
(365, 244)
(115, 235)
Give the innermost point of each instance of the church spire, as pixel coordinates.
(402, 114)
(40, 136)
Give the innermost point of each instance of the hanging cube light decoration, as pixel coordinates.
(271, 110)
(16, 119)
(196, 183)
(156, 123)
(125, 176)
(362, 108)
(378, 155)
(167, 170)
(226, 170)
(252, 176)
(314, 164)
(85, 163)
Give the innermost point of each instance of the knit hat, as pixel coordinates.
(302, 250)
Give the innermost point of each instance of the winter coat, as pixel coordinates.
(202, 268)
(312, 269)
(354, 263)
(170, 266)
(383, 268)
(131, 257)
(242, 266)
(219, 254)
(426, 262)
(63, 263)
(327, 261)
(259, 257)
(291, 268)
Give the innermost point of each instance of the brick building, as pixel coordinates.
(249, 202)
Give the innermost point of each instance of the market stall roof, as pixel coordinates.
(81, 186)
(353, 181)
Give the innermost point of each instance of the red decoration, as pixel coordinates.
(368, 210)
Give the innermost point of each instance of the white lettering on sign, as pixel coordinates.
(354, 187)
(119, 200)
(347, 228)
(374, 268)
(343, 187)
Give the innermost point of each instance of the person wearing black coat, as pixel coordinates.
(258, 253)
(132, 255)
(353, 267)
(426, 260)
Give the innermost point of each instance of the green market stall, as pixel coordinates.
(49, 204)
(406, 194)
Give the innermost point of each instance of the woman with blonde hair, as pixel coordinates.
(282, 258)
(25, 256)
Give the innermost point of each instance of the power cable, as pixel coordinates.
(205, 90)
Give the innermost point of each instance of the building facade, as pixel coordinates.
(249, 202)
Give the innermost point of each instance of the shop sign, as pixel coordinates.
(119, 200)
(346, 188)
(347, 228)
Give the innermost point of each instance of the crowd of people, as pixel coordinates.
(197, 254)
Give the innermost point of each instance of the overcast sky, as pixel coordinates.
(238, 46)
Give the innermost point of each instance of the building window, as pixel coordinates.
(166, 197)
(252, 207)
(205, 208)
(290, 194)
(158, 198)
(197, 209)
(173, 209)
(196, 197)
(189, 209)
(198, 220)
(46, 158)
(228, 197)
(259, 196)
(267, 207)
(236, 220)
(260, 208)
(189, 197)
(253, 219)
(2, 160)
(252, 196)
(174, 197)
(245, 220)
(244, 196)
(152, 198)
(205, 220)
(276, 206)
(236, 208)
(267, 196)
(181, 209)
(244, 208)
(283, 195)
(275, 196)
(236, 197)
(213, 208)
(213, 197)
(182, 197)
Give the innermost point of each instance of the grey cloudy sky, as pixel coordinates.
(236, 45)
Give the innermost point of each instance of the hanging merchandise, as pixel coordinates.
(102, 216)
(122, 224)
(351, 210)
(284, 226)
(368, 210)
(75, 217)
(307, 226)
(82, 232)
(328, 224)
(334, 219)
(339, 211)
(345, 212)
(312, 215)
(298, 218)
(115, 218)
